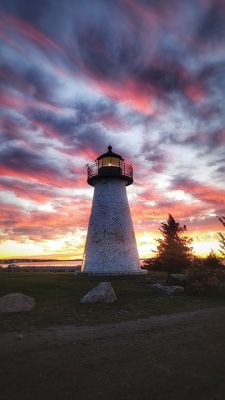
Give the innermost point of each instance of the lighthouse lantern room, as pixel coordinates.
(110, 244)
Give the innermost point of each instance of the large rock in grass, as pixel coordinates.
(177, 279)
(167, 290)
(16, 302)
(103, 293)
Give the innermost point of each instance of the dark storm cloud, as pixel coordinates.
(30, 11)
(88, 125)
(165, 77)
(23, 160)
(31, 80)
(205, 140)
(155, 156)
(19, 161)
(212, 27)
(128, 42)
(77, 132)
(221, 170)
(62, 125)
(131, 49)
(111, 42)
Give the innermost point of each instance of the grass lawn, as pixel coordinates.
(57, 298)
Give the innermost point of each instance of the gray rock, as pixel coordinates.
(20, 337)
(177, 279)
(103, 293)
(167, 290)
(16, 302)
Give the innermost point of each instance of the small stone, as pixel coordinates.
(16, 302)
(167, 290)
(102, 293)
(20, 337)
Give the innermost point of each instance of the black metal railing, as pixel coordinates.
(114, 168)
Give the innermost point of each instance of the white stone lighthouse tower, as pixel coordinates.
(110, 244)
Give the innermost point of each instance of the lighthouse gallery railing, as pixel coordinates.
(123, 169)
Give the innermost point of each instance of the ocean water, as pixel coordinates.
(47, 263)
(59, 263)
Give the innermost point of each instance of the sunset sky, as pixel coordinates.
(147, 77)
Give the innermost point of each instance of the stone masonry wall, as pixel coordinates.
(110, 244)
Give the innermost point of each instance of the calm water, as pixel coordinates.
(48, 263)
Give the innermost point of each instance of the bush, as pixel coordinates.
(206, 281)
(212, 261)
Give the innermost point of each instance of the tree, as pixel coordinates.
(173, 251)
(211, 261)
(222, 237)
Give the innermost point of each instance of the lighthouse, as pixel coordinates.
(110, 244)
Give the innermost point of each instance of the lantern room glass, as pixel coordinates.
(109, 162)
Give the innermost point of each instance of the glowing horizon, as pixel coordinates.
(131, 73)
(146, 247)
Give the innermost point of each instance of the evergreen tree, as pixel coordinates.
(222, 237)
(174, 251)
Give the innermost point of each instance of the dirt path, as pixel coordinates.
(179, 356)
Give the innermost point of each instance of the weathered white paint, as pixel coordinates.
(110, 245)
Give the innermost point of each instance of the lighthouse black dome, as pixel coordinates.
(110, 153)
(110, 165)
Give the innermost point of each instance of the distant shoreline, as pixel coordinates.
(32, 260)
(42, 265)
(41, 260)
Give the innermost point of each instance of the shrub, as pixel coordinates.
(206, 281)
(221, 237)
(212, 261)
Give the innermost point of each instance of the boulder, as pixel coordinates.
(167, 290)
(16, 302)
(177, 279)
(102, 293)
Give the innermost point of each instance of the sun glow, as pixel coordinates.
(147, 244)
(203, 249)
(13, 249)
(71, 247)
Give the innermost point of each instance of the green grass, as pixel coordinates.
(57, 298)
